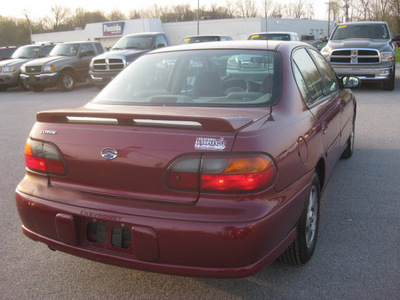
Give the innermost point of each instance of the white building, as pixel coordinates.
(239, 29)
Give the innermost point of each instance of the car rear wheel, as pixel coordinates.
(348, 151)
(66, 81)
(301, 250)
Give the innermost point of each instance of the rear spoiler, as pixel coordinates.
(84, 116)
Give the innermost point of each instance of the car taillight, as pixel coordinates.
(240, 172)
(44, 158)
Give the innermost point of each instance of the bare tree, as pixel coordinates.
(396, 15)
(277, 11)
(268, 7)
(153, 12)
(247, 8)
(381, 9)
(335, 7)
(60, 16)
(116, 15)
(231, 8)
(298, 9)
(363, 9)
(135, 14)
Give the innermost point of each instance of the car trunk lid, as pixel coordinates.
(124, 152)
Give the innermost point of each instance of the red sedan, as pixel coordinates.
(200, 160)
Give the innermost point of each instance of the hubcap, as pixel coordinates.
(312, 216)
(68, 81)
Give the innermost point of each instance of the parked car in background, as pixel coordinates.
(178, 167)
(205, 38)
(275, 35)
(7, 52)
(105, 67)
(67, 64)
(365, 50)
(10, 69)
(319, 44)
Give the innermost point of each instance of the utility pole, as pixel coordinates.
(198, 17)
(266, 15)
(346, 7)
(329, 18)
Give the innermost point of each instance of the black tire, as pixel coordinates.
(66, 81)
(348, 151)
(301, 250)
(37, 88)
(389, 85)
(23, 85)
(3, 88)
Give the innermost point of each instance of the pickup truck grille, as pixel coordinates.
(355, 56)
(109, 64)
(33, 69)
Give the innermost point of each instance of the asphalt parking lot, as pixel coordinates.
(357, 255)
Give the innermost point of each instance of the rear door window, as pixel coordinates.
(308, 77)
(327, 72)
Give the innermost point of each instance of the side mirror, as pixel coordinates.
(350, 82)
(160, 45)
(396, 38)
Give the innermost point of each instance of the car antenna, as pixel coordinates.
(270, 118)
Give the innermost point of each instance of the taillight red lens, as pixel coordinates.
(238, 173)
(43, 157)
(222, 173)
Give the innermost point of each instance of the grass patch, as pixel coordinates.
(397, 55)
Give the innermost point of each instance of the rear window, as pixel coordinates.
(200, 39)
(270, 36)
(198, 78)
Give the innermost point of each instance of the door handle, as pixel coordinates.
(324, 128)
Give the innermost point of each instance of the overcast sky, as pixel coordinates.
(40, 8)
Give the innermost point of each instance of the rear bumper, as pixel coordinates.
(180, 247)
(149, 266)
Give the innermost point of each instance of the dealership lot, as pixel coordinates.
(357, 255)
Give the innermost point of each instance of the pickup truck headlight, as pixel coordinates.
(9, 69)
(387, 56)
(50, 68)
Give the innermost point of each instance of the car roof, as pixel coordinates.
(143, 34)
(201, 35)
(79, 42)
(238, 44)
(277, 32)
(362, 22)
